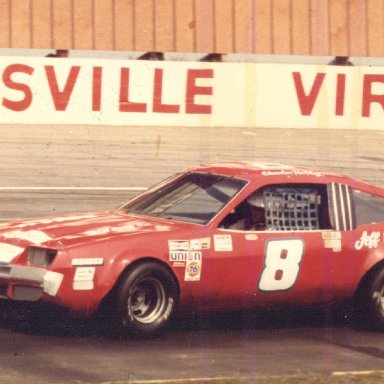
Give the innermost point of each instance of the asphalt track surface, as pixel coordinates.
(57, 169)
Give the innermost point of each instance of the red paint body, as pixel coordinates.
(236, 268)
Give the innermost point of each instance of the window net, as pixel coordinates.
(290, 209)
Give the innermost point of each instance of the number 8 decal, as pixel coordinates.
(282, 264)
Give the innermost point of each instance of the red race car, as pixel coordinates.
(223, 236)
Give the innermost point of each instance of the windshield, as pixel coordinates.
(193, 197)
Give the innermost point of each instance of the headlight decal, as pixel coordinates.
(52, 282)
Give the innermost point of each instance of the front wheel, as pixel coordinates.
(147, 297)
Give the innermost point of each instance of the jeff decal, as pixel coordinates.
(368, 240)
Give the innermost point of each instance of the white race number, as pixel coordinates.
(282, 264)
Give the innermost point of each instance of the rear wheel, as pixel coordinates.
(146, 300)
(370, 302)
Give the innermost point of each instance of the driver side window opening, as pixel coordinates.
(285, 207)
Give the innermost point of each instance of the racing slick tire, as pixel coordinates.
(369, 308)
(146, 300)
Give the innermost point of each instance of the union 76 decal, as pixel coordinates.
(281, 264)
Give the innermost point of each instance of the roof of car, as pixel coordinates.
(236, 168)
(251, 170)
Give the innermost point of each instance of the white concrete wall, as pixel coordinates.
(190, 94)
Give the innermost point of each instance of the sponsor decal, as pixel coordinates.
(199, 244)
(188, 254)
(181, 250)
(178, 245)
(180, 264)
(193, 267)
(83, 279)
(183, 256)
(368, 240)
(251, 236)
(178, 256)
(294, 172)
(223, 243)
(88, 261)
(332, 240)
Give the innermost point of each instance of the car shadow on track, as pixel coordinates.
(54, 321)
(299, 317)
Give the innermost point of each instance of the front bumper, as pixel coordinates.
(27, 283)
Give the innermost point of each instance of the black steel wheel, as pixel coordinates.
(147, 298)
(370, 302)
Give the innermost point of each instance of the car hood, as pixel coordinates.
(64, 230)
